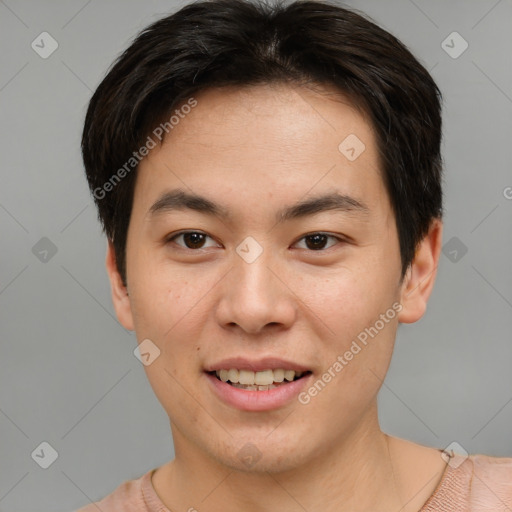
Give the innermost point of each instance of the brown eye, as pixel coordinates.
(318, 241)
(191, 239)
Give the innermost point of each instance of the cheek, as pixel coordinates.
(164, 298)
(346, 300)
(357, 318)
(169, 312)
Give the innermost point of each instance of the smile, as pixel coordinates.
(257, 391)
(257, 381)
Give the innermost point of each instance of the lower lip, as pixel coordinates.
(246, 400)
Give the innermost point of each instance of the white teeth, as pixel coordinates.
(246, 377)
(289, 374)
(233, 375)
(278, 375)
(264, 378)
(260, 380)
(254, 388)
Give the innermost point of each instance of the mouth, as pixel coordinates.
(263, 390)
(264, 380)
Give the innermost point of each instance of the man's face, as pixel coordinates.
(252, 285)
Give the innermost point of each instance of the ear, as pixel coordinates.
(420, 276)
(120, 297)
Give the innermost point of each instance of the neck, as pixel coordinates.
(356, 474)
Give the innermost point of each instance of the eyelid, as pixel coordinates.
(339, 238)
(172, 236)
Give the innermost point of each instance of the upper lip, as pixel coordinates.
(256, 365)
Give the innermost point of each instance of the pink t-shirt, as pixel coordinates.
(478, 483)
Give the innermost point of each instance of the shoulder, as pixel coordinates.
(474, 483)
(127, 497)
(491, 483)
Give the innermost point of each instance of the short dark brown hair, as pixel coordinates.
(215, 43)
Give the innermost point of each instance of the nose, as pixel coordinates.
(255, 297)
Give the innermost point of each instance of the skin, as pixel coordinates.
(253, 151)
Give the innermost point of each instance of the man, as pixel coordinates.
(269, 180)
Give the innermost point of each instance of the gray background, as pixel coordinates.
(68, 373)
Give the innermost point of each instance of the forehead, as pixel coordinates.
(266, 141)
(271, 114)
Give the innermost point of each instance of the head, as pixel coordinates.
(299, 147)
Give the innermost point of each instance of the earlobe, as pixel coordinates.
(420, 276)
(120, 296)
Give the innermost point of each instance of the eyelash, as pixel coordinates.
(176, 235)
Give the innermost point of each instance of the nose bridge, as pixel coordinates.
(253, 296)
(255, 277)
(254, 284)
(252, 262)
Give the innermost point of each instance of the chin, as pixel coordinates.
(261, 456)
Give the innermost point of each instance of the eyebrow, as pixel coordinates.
(178, 199)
